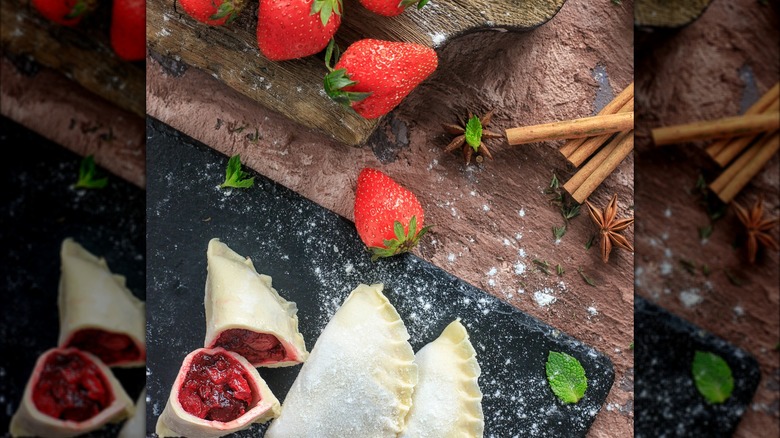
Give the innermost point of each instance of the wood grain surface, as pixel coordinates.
(82, 53)
(294, 88)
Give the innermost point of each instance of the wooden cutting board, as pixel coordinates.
(294, 88)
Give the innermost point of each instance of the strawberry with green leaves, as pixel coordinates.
(391, 8)
(213, 12)
(64, 12)
(128, 29)
(388, 217)
(374, 76)
(290, 29)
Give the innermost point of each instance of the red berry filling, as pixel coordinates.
(71, 387)
(217, 388)
(255, 347)
(111, 348)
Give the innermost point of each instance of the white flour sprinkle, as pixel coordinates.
(668, 212)
(739, 310)
(690, 297)
(520, 268)
(485, 208)
(521, 212)
(666, 268)
(493, 271)
(451, 257)
(543, 298)
(592, 311)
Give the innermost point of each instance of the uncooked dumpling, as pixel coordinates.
(245, 314)
(359, 378)
(447, 401)
(135, 427)
(98, 313)
(69, 393)
(216, 392)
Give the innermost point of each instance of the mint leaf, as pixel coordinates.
(712, 377)
(87, 178)
(474, 133)
(235, 177)
(566, 377)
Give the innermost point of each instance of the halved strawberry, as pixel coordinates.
(388, 217)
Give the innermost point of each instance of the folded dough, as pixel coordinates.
(98, 313)
(55, 404)
(216, 392)
(135, 427)
(359, 378)
(447, 401)
(245, 314)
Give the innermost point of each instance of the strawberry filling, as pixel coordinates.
(111, 348)
(217, 388)
(255, 347)
(71, 387)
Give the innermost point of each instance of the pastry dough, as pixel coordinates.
(93, 302)
(447, 401)
(359, 379)
(30, 421)
(135, 427)
(245, 314)
(176, 421)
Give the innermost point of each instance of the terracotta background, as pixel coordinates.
(715, 67)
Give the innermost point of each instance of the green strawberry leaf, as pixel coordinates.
(474, 133)
(325, 8)
(403, 242)
(566, 377)
(419, 3)
(334, 83)
(235, 177)
(712, 377)
(78, 9)
(87, 178)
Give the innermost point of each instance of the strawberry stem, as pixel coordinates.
(403, 242)
(419, 3)
(228, 8)
(325, 8)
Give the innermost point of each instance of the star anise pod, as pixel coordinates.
(610, 227)
(757, 228)
(470, 135)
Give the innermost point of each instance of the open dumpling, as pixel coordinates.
(359, 378)
(98, 313)
(216, 392)
(69, 393)
(447, 401)
(245, 314)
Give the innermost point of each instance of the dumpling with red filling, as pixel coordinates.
(245, 314)
(69, 393)
(98, 313)
(216, 392)
(447, 401)
(359, 378)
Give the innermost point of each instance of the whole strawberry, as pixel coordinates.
(391, 8)
(64, 12)
(213, 12)
(128, 29)
(289, 29)
(374, 76)
(388, 217)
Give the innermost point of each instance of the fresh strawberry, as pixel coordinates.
(65, 12)
(391, 8)
(388, 217)
(289, 29)
(213, 12)
(128, 29)
(374, 76)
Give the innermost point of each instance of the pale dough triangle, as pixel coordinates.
(92, 297)
(359, 378)
(237, 297)
(447, 401)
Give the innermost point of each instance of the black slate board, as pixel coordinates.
(667, 402)
(39, 210)
(316, 258)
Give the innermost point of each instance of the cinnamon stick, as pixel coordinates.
(724, 178)
(584, 127)
(737, 145)
(718, 128)
(768, 147)
(621, 151)
(760, 106)
(614, 106)
(591, 144)
(578, 178)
